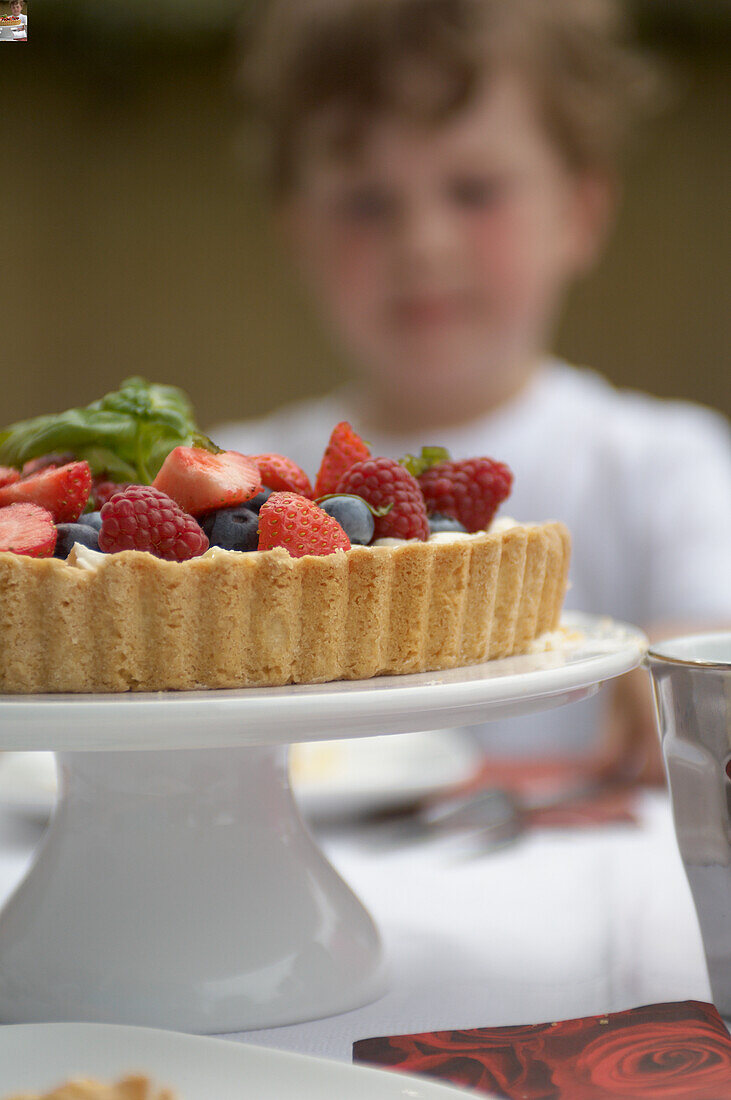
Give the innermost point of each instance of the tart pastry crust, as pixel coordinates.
(131, 1088)
(227, 620)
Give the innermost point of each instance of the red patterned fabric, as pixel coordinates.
(660, 1052)
(613, 804)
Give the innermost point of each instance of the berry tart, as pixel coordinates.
(137, 556)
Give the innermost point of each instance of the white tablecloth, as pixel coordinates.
(561, 924)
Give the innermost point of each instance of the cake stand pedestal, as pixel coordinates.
(181, 889)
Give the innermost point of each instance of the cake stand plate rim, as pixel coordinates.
(283, 715)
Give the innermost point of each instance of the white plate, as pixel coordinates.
(41, 1056)
(336, 778)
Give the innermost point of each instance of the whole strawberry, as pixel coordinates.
(344, 449)
(282, 474)
(469, 490)
(143, 518)
(297, 524)
(383, 482)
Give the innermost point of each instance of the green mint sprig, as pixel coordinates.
(125, 436)
(382, 510)
(430, 456)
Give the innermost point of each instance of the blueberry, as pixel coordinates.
(69, 533)
(353, 515)
(92, 519)
(232, 528)
(256, 502)
(438, 522)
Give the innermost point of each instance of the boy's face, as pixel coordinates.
(16, 7)
(440, 255)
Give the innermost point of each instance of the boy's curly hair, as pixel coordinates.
(427, 58)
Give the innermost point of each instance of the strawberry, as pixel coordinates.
(8, 474)
(27, 529)
(35, 465)
(469, 490)
(297, 524)
(200, 481)
(282, 474)
(383, 482)
(344, 449)
(63, 490)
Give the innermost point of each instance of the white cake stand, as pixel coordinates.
(182, 889)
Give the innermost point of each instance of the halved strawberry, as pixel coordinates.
(300, 526)
(200, 481)
(63, 490)
(344, 449)
(27, 529)
(8, 475)
(282, 474)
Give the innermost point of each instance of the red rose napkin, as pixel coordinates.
(680, 1051)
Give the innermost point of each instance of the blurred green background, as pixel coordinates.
(136, 239)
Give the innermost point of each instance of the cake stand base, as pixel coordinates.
(182, 890)
(178, 887)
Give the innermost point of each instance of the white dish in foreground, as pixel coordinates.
(336, 778)
(41, 1056)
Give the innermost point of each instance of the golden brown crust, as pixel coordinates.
(241, 620)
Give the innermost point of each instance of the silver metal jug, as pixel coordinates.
(691, 679)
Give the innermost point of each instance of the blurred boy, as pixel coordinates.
(444, 170)
(16, 10)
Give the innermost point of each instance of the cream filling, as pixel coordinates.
(84, 558)
(504, 523)
(81, 557)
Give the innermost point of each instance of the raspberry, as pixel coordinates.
(297, 524)
(143, 518)
(470, 490)
(382, 481)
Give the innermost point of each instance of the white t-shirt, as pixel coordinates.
(643, 484)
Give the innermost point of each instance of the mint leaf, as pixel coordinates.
(430, 456)
(377, 512)
(126, 435)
